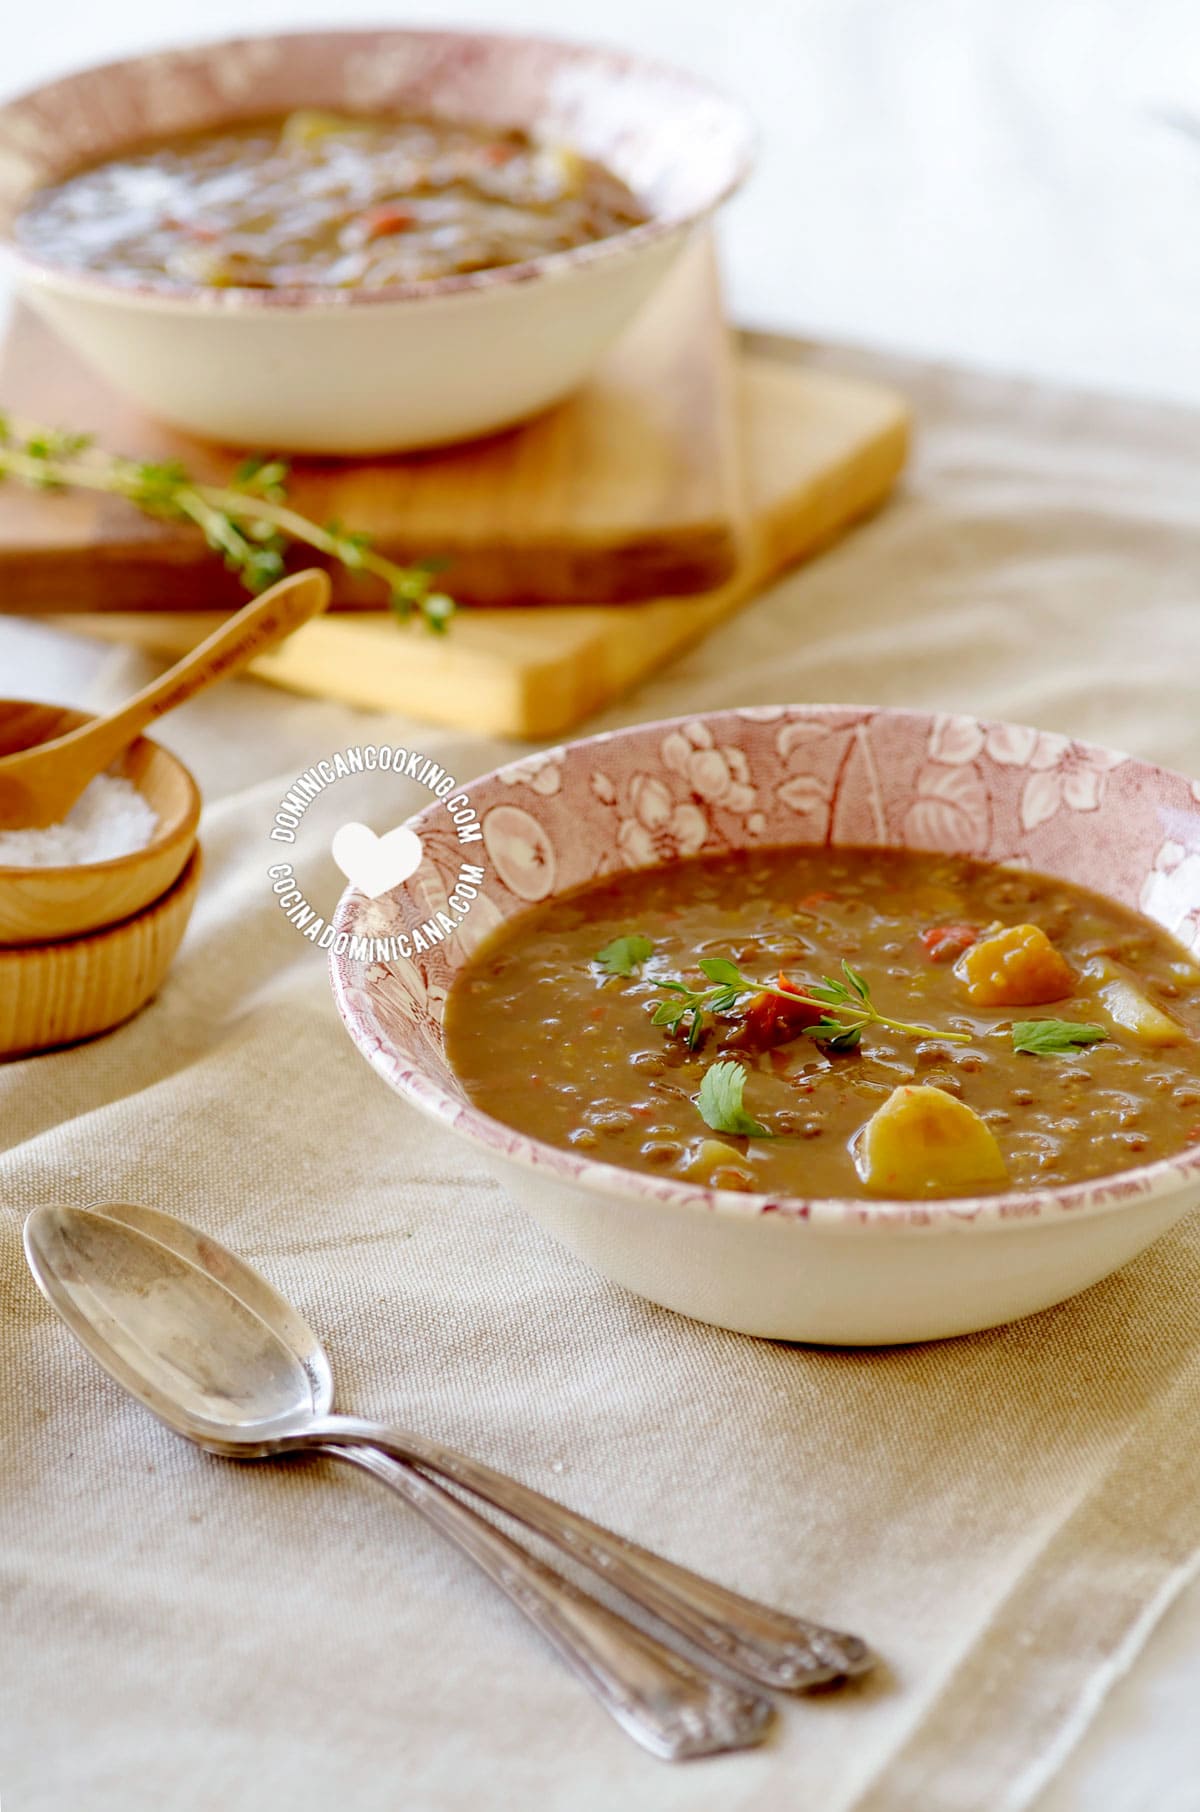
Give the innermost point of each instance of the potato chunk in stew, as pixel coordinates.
(924, 1142)
(1130, 1011)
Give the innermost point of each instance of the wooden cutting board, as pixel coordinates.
(819, 452)
(629, 490)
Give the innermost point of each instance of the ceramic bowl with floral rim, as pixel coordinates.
(839, 1272)
(410, 365)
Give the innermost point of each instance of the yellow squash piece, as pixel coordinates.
(563, 168)
(1016, 966)
(923, 1141)
(1129, 1009)
(306, 125)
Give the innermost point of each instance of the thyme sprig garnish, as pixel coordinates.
(846, 1006)
(248, 521)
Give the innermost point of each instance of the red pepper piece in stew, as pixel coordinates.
(198, 230)
(379, 222)
(768, 1021)
(946, 943)
(498, 154)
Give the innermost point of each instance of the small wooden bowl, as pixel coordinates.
(42, 905)
(53, 994)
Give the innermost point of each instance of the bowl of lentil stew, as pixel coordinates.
(357, 241)
(836, 1024)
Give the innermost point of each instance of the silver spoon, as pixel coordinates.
(215, 1372)
(783, 1651)
(772, 1647)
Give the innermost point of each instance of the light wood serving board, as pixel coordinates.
(819, 452)
(631, 489)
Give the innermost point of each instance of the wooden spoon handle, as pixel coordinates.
(261, 623)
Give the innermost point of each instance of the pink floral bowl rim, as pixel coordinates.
(759, 777)
(683, 146)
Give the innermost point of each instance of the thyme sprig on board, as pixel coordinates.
(248, 521)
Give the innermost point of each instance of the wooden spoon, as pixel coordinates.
(39, 785)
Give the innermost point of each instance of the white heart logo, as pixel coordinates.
(376, 864)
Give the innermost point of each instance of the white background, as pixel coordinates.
(985, 180)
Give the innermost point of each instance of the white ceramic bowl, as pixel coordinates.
(834, 1272)
(374, 370)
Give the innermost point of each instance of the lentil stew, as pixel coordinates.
(837, 1023)
(326, 201)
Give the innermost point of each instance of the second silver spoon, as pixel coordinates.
(773, 1647)
(201, 1359)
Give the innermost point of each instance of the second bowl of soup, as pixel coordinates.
(357, 241)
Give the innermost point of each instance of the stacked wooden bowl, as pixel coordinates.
(83, 946)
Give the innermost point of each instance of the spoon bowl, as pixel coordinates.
(237, 1279)
(186, 1346)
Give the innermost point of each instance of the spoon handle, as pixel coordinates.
(665, 1704)
(255, 628)
(778, 1650)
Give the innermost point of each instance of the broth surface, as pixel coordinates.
(321, 200)
(543, 1040)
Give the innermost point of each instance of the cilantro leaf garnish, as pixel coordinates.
(625, 955)
(1044, 1037)
(720, 1102)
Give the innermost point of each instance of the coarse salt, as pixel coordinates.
(110, 818)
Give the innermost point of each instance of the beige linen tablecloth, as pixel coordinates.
(1006, 1517)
